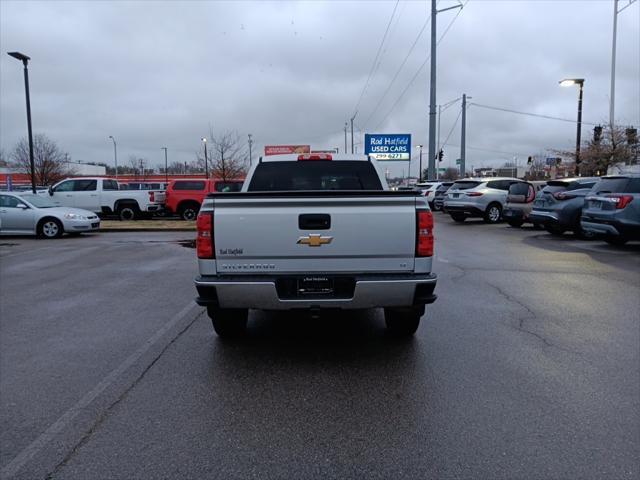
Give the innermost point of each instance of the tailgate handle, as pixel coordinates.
(314, 221)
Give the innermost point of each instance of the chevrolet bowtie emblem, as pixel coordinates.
(314, 240)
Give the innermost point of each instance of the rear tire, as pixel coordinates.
(127, 212)
(458, 217)
(189, 212)
(493, 213)
(50, 228)
(229, 322)
(557, 231)
(403, 322)
(618, 241)
(515, 223)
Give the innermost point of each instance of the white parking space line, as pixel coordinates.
(13, 467)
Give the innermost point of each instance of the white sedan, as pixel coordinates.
(29, 214)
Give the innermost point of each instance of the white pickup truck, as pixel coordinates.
(315, 232)
(102, 195)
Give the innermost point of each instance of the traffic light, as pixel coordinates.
(440, 155)
(529, 160)
(597, 134)
(632, 135)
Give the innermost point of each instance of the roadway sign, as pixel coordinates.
(388, 146)
(458, 161)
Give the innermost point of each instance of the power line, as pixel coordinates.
(375, 60)
(548, 117)
(384, 95)
(452, 128)
(420, 69)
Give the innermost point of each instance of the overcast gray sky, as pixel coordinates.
(156, 74)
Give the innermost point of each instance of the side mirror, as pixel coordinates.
(22, 206)
(51, 191)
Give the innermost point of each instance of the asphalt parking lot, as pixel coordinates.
(527, 366)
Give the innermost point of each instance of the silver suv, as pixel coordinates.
(478, 197)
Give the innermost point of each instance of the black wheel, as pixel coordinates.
(537, 226)
(584, 234)
(228, 322)
(458, 217)
(50, 228)
(127, 212)
(553, 230)
(403, 322)
(436, 207)
(493, 213)
(515, 223)
(189, 212)
(616, 240)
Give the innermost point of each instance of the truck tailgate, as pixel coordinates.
(267, 233)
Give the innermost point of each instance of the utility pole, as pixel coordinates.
(166, 166)
(463, 136)
(612, 97)
(345, 138)
(250, 145)
(420, 174)
(352, 119)
(432, 89)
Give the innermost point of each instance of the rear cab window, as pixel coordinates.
(228, 186)
(314, 175)
(189, 185)
(109, 185)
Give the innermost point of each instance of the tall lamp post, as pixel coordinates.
(250, 149)
(420, 173)
(115, 154)
(580, 82)
(166, 166)
(206, 159)
(25, 61)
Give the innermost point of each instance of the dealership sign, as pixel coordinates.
(388, 146)
(286, 149)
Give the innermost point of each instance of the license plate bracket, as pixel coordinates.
(315, 285)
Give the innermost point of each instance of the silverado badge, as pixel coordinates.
(314, 240)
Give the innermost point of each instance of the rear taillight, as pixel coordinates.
(204, 240)
(152, 196)
(621, 201)
(474, 194)
(424, 233)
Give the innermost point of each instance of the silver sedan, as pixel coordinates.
(29, 214)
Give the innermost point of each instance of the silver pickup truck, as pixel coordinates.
(315, 232)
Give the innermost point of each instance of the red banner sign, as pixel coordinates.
(286, 149)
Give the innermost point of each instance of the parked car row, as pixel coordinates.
(586, 206)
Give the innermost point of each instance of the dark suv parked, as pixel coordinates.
(558, 206)
(440, 194)
(612, 209)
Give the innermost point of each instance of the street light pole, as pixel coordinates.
(25, 61)
(345, 138)
(580, 83)
(612, 97)
(250, 145)
(115, 155)
(352, 119)
(166, 166)
(206, 159)
(420, 174)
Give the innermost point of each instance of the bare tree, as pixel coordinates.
(3, 159)
(450, 174)
(50, 163)
(597, 155)
(228, 155)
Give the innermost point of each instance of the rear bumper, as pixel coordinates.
(544, 218)
(610, 227)
(469, 210)
(370, 291)
(513, 214)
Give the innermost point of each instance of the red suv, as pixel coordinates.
(184, 197)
